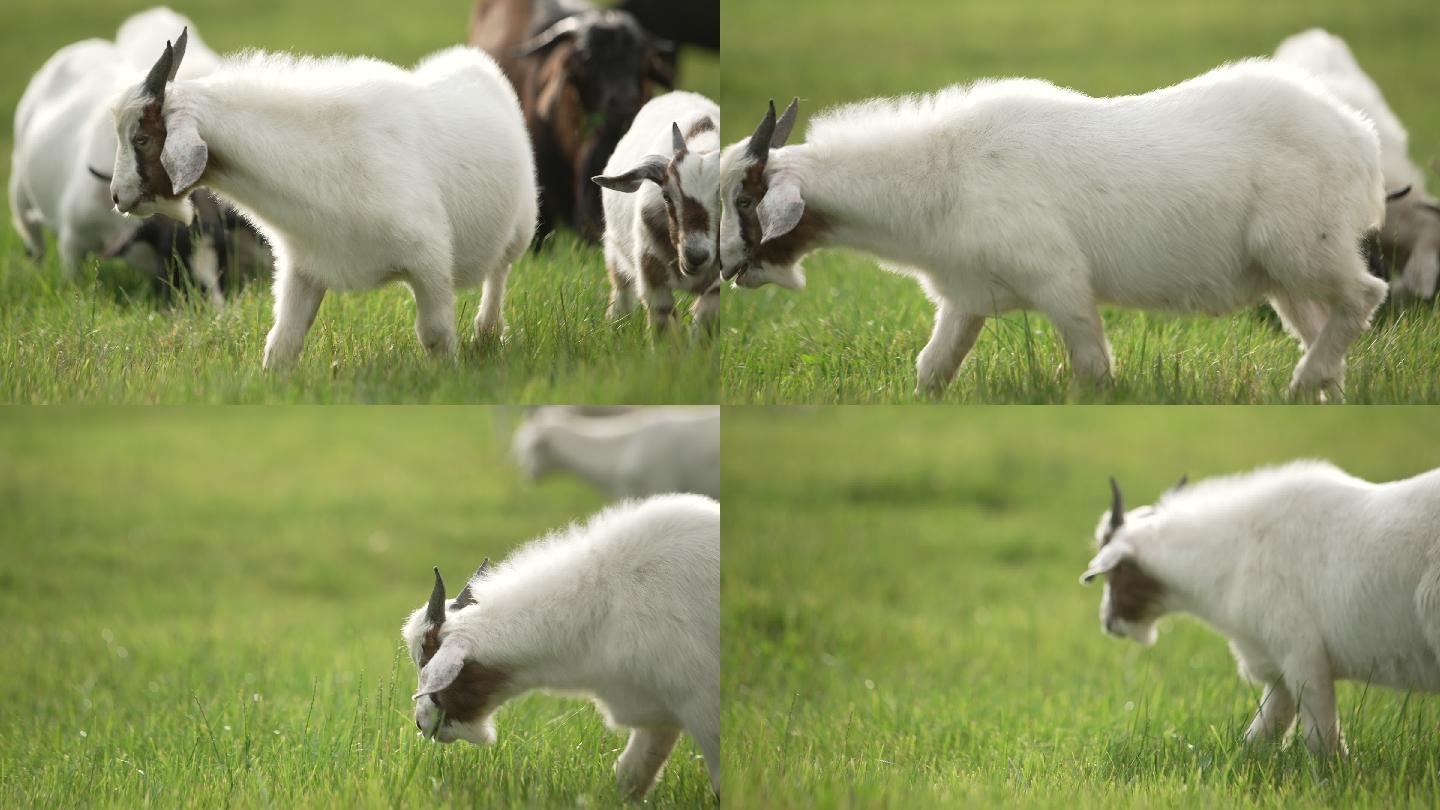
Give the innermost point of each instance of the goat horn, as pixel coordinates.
(563, 27)
(465, 597)
(179, 51)
(759, 146)
(1184, 479)
(785, 124)
(676, 139)
(99, 175)
(1117, 506)
(1397, 194)
(160, 73)
(435, 611)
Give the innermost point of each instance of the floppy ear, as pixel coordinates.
(185, 154)
(441, 671)
(1110, 556)
(652, 168)
(780, 211)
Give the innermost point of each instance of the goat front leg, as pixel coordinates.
(435, 314)
(659, 298)
(1275, 716)
(297, 299)
(640, 763)
(1308, 679)
(954, 336)
(706, 310)
(490, 320)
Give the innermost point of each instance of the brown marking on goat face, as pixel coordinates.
(1134, 595)
(153, 177)
(783, 250)
(469, 696)
(429, 645)
(692, 216)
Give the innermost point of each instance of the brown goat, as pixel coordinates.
(581, 74)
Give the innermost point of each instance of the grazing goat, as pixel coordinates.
(664, 235)
(1412, 221)
(356, 172)
(582, 74)
(647, 451)
(1250, 181)
(624, 609)
(1313, 575)
(217, 249)
(63, 129)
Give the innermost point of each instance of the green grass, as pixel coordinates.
(902, 624)
(202, 609)
(103, 339)
(853, 335)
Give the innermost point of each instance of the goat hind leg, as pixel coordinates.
(1275, 716)
(645, 754)
(490, 320)
(435, 314)
(1323, 366)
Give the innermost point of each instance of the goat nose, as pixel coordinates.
(696, 257)
(115, 198)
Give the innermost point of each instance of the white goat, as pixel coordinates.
(63, 129)
(646, 451)
(1412, 221)
(1247, 182)
(664, 236)
(624, 609)
(356, 172)
(1314, 575)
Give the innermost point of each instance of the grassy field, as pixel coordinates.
(203, 607)
(902, 625)
(104, 339)
(853, 335)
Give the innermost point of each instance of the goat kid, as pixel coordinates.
(662, 210)
(1250, 181)
(348, 192)
(624, 609)
(1312, 574)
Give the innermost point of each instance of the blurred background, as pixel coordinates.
(203, 605)
(903, 626)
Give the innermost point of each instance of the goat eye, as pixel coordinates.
(140, 140)
(743, 203)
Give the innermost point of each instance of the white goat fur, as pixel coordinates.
(624, 609)
(648, 451)
(1314, 575)
(358, 172)
(627, 241)
(63, 127)
(1247, 182)
(1412, 231)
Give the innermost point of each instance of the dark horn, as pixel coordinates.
(1117, 506)
(99, 175)
(160, 73)
(465, 597)
(435, 611)
(1397, 194)
(179, 51)
(676, 139)
(1179, 485)
(759, 146)
(785, 124)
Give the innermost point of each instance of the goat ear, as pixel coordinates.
(440, 671)
(1104, 562)
(780, 211)
(785, 124)
(652, 168)
(185, 153)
